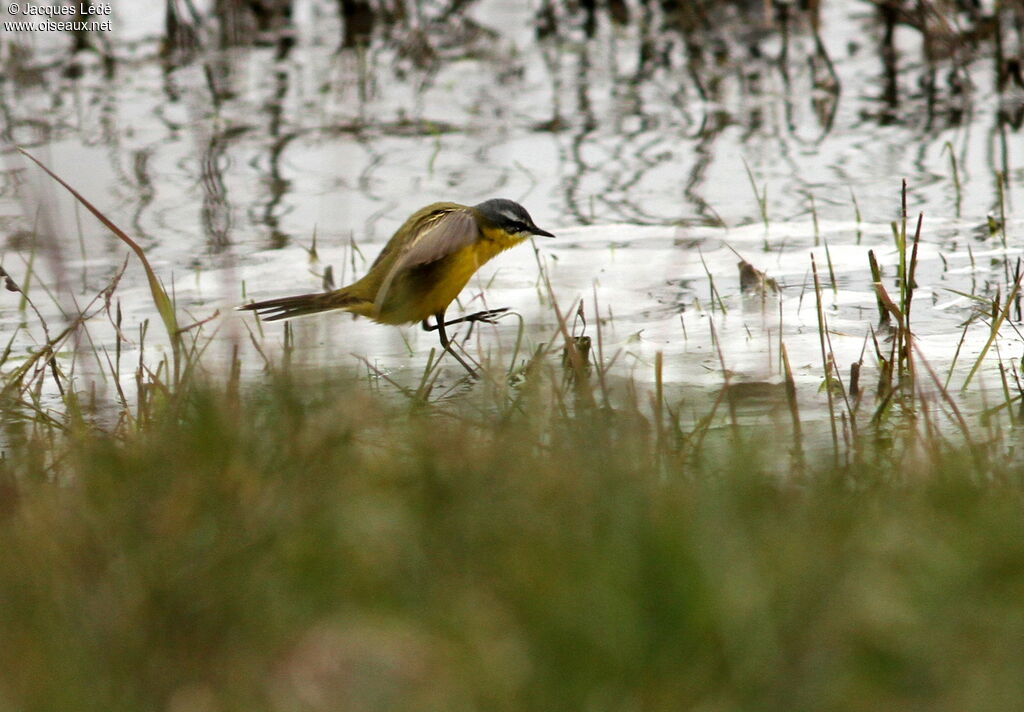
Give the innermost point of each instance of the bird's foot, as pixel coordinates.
(490, 316)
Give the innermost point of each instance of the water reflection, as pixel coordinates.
(641, 117)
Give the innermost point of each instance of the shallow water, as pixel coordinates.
(224, 167)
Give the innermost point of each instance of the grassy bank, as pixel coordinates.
(304, 546)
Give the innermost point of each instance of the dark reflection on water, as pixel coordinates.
(260, 122)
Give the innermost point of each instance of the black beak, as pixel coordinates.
(537, 231)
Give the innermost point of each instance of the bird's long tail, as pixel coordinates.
(287, 307)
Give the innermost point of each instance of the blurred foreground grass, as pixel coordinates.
(308, 546)
(531, 542)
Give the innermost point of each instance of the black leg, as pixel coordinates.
(446, 344)
(487, 317)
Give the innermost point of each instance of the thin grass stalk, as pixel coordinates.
(715, 296)
(1001, 180)
(831, 271)
(956, 175)
(159, 295)
(26, 282)
(997, 322)
(908, 336)
(733, 419)
(794, 407)
(142, 401)
(961, 422)
(659, 401)
(814, 219)
(601, 371)
(825, 361)
(576, 362)
(876, 278)
(762, 198)
(856, 215)
(956, 354)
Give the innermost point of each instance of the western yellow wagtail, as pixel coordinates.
(422, 269)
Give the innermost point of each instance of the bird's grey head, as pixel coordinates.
(510, 216)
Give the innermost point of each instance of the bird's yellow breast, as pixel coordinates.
(427, 290)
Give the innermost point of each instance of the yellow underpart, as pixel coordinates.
(428, 290)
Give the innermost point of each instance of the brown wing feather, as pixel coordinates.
(445, 235)
(449, 233)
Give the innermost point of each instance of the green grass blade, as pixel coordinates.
(160, 299)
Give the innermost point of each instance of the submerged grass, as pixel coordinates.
(530, 543)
